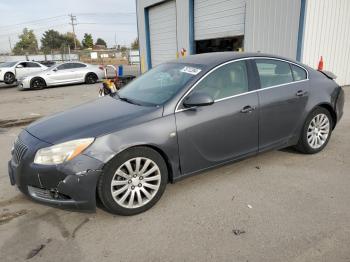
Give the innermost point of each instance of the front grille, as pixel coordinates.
(46, 194)
(19, 149)
(40, 193)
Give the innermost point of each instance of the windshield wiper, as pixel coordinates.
(128, 100)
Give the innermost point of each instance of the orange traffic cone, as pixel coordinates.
(320, 64)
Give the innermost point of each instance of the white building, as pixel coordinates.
(302, 30)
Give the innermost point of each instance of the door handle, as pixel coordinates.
(301, 93)
(247, 109)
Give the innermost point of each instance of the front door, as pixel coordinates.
(62, 74)
(225, 130)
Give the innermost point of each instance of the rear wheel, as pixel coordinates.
(9, 78)
(316, 132)
(133, 182)
(91, 78)
(37, 83)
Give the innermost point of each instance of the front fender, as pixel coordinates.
(159, 133)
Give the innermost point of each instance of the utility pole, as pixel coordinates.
(10, 44)
(73, 23)
(115, 40)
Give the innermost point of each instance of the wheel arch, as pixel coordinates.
(90, 73)
(159, 151)
(331, 110)
(37, 77)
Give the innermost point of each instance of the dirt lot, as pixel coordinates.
(279, 206)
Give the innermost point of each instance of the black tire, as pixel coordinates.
(303, 144)
(105, 180)
(37, 83)
(9, 78)
(91, 78)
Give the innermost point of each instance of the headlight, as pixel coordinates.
(60, 153)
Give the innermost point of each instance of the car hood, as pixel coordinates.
(96, 118)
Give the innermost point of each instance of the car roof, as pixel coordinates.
(216, 58)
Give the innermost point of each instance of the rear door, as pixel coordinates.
(283, 97)
(79, 71)
(33, 67)
(225, 130)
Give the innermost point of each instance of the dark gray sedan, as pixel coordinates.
(178, 119)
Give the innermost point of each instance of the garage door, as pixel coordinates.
(162, 27)
(218, 18)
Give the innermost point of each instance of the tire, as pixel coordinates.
(91, 78)
(37, 83)
(9, 78)
(137, 192)
(316, 131)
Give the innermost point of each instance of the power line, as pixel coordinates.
(94, 23)
(104, 14)
(33, 21)
(34, 29)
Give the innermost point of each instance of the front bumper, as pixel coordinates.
(71, 185)
(23, 83)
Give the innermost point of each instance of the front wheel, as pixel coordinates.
(316, 132)
(9, 78)
(133, 181)
(37, 83)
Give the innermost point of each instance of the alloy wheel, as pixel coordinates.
(136, 182)
(9, 78)
(38, 84)
(318, 131)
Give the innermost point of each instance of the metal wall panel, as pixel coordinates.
(218, 18)
(272, 27)
(182, 28)
(162, 29)
(327, 34)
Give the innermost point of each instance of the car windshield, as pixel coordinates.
(160, 84)
(8, 64)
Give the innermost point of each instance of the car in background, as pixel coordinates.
(11, 71)
(63, 74)
(47, 63)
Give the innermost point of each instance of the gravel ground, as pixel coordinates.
(278, 206)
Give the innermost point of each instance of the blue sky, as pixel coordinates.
(102, 18)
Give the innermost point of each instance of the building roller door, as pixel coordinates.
(218, 18)
(162, 27)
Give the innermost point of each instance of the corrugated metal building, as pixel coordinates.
(299, 29)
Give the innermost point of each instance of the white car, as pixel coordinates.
(11, 71)
(63, 74)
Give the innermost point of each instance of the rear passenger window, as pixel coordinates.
(298, 73)
(273, 72)
(78, 65)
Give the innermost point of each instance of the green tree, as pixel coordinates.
(88, 42)
(27, 43)
(100, 41)
(135, 44)
(51, 40)
(68, 39)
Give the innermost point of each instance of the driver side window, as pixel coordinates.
(226, 81)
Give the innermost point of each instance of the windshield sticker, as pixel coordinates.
(190, 70)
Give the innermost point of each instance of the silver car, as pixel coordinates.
(63, 74)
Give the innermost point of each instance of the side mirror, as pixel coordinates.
(19, 66)
(55, 69)
(198, 99)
